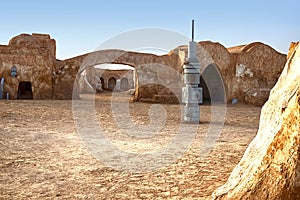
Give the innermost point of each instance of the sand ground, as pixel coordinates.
(42, 155)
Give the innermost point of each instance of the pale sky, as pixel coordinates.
(81, 26)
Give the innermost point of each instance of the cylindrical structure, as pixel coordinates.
(192, 50)
(191, 92)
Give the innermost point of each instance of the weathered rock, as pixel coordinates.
(270, 167)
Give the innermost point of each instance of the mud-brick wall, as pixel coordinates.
(32, 64)
(248, 71)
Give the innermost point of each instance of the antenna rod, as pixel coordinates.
(193, 30)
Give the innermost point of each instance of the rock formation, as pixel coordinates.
(270, 167)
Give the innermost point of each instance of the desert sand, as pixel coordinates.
(42, 155)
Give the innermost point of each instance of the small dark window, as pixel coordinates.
(25, 90)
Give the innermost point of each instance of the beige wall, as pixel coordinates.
(248, 71)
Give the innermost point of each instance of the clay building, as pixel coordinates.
(29, 70)
(26, 66)
(107, 79)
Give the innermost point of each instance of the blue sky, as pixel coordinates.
(80, 26)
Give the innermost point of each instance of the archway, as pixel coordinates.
(123, 73)
(213, 86)
(112, 83)
(124, 84)
(25, 90)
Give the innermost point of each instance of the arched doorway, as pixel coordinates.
(205, 91)
(102, 82)
(99, 84)
(124, 84)
(112, 83)
(25, 90)
(213, 86)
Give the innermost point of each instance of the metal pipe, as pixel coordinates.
(1, 88)
(193, 30)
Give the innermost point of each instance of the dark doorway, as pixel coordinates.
(213, 85)
(124, 84)
(102, 82)
(25, 90)
(205, 91)
(112, 83)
